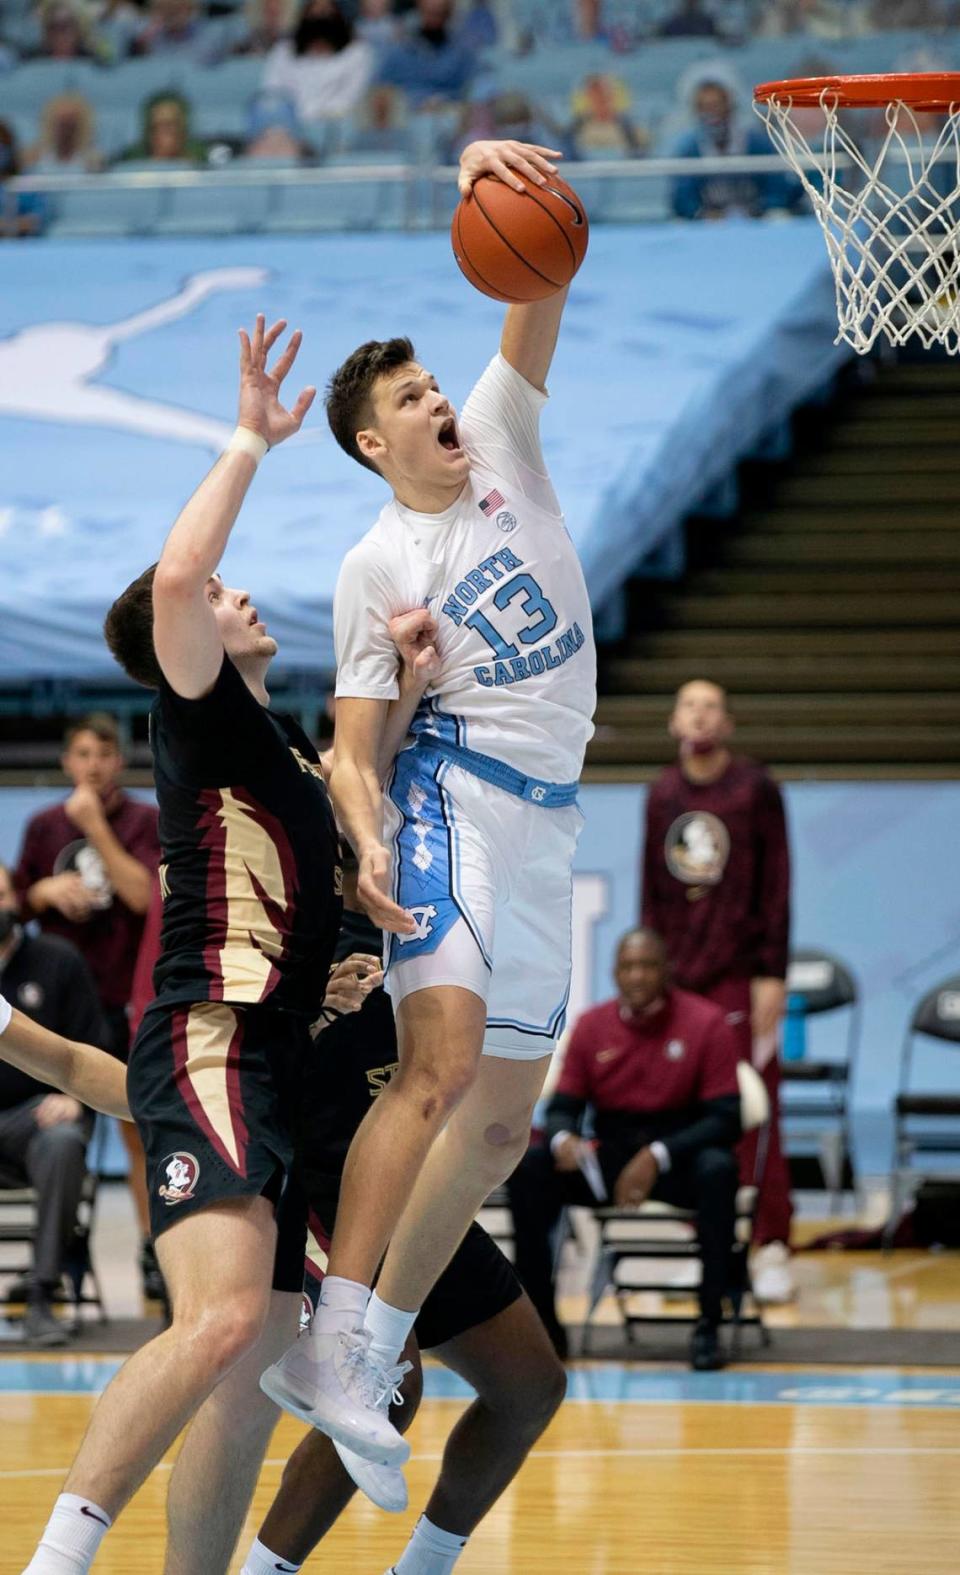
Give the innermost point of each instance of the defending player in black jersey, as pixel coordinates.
(477, 1319)
(252, 909)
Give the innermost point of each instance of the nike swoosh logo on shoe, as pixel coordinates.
(85, 1510)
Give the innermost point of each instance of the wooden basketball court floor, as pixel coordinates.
(760, 1470)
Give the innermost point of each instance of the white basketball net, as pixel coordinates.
(891, 219)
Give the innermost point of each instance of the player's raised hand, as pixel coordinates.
(260, 409)
(373, 884)
(414, 634)
(507, 160)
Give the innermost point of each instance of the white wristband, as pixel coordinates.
(6, 1012)
(245, 441)
(661, 1154)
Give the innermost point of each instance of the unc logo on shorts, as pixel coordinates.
(421, 915)
(538, 794)
(182, 1172)
(506, 521)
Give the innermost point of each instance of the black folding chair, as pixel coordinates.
(817, 1092)
(926, 1124)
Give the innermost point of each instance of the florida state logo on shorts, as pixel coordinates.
(182, 1171)
(306, 1314)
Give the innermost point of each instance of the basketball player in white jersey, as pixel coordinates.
(466, 857)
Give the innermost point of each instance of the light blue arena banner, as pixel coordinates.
(682, 347)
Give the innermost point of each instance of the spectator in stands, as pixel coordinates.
(167, 137)
(690, 20)
(377, 24)
(324, 69)
(818, 18)
(478, 26)
(266, 24)
(601, 123)
(66, 33)
(85, 873)
(430, 65)
(656, 1068)
(504, 116)
(720, 131)
(273, 130)
(590, 19)
(716, 885)
(117, 23)
(21, 212)
(889, 14)
(176, 29)
(67, 141)
(43, 1134)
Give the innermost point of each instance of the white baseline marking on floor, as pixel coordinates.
(590, 1454)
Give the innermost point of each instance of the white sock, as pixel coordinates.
(260, 1561)
(342, 1305)
(388, 1328)
(430, 1551)
(71, 1537)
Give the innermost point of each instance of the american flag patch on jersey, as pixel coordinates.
(493, 500)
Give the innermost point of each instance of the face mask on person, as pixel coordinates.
(698, 746)
(8, 923)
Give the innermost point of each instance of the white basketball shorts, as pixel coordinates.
(488, 878)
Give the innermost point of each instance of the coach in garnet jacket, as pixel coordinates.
(653, 1073)
(716, 885)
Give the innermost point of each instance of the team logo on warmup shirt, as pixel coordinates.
(676, 1049)
(696, 849)
(182, 1172)
(30, 996)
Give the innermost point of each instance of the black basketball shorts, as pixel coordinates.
(478, 1283)
(211, 1089)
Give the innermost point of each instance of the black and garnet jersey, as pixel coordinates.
(250, 875)
(352, 1062)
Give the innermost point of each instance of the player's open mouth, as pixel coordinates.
(447, 436)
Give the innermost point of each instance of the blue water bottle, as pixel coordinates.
(795, 1028)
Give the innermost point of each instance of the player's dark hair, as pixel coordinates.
(128, 630)
(99, 723)
(349, 407)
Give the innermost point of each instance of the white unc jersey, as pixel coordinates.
(500, 574)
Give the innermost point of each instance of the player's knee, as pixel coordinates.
(529, 1402)
(223, 1335)
(436, 1085)
(549, 1391)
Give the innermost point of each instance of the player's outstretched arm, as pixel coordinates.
(355, 790)
(188, 646)
(529, 336)
(90, 1075)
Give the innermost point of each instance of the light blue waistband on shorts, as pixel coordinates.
(549, 795)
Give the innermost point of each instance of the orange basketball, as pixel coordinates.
(520, 246)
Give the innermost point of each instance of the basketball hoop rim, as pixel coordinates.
(929, 91)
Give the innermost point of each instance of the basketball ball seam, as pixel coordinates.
(532, 192)
(512, 300)
(519, 255)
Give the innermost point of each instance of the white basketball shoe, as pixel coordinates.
(771, 1275)
(386, 1486)
(334, 1382)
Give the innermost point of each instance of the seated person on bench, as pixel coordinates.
(657, 1068)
